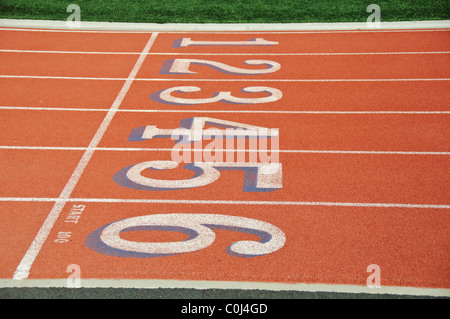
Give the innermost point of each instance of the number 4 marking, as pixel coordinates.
(193, 130)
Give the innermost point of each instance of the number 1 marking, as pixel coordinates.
(186, 42)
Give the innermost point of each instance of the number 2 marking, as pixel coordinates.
(199, 228)
(181, 66)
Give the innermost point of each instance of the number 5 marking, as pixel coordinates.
(181, 66)
(165, 96)
(199, 228)
(258, 177)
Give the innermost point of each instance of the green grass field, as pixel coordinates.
(227, 11)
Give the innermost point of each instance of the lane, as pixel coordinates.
(72, 41)
(344, 132)
(297, 67)
(362, 178)
(26, 173)
(323, 245)
(367, 41)
(65, 65)
(57, 93)
(44, 128)
(312, 41)
(317, 96)
(301, 96)
(228, 67)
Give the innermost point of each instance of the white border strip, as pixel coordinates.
(23, 269)
(188, 27)
(220, 202)
(143, 149)
(5, 76)
(73, 109)
(230, 54)
(241, 285)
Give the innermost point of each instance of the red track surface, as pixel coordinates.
(364, 148)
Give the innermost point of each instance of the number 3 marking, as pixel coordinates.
(165, 96)
(199, 228)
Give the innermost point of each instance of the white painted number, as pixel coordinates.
(258, 177)
(193, 130)
(199, 228)
(185, 42)
(165, 96)
(181, 66)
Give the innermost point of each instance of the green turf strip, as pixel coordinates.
(227, 11)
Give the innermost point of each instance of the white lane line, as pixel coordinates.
(142, 149)
(216, 80)
(224, 202)
(70, 52)
(131, 110)
(71, 109)
(23, 269)
(3, 76)
(234, 54)
(294, 80)
(311, 53)
(281, 111)
(226, 285)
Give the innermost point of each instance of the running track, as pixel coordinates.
(363, 120)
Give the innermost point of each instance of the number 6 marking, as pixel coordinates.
(199, 228)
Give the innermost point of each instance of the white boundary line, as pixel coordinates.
(86, 26)
(217, 80)
(295, 80)
(221, 54)
(198, 284)
(223, 202)
(4, 76)
(23, 269)
(137, 149)
(72, 109)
